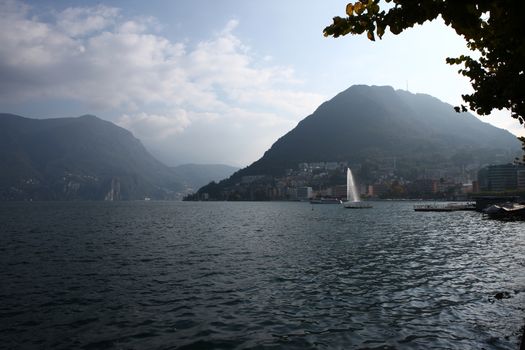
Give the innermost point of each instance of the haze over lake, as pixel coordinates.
(165, 275)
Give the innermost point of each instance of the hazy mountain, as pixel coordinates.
(370, 122)
(194, 176)
(77, 158)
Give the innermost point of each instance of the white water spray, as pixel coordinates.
(351, 191)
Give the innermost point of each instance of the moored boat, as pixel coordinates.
(508, 210)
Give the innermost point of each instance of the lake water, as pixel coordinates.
(174, 275)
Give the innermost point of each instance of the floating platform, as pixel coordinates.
(445, 207)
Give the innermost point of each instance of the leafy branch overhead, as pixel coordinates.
(495, 30)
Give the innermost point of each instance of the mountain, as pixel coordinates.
(367, 123)
(367, 120)
(194, 176)
(82, 158)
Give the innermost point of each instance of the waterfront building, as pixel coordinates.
(339, 191)
(304, 193)
(423, 187)
(380, 189)
(521, 178)
(502, 177)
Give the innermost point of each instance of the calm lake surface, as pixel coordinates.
(174, 275)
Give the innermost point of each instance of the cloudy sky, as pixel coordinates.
(206, 81)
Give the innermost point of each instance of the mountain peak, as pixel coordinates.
(369, 123)
(362, 89)
(78, 158)
(89, 116)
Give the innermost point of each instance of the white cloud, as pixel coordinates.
(95, 56)
(14, 9)
(154, 126)
(28, 45)
(78, 21)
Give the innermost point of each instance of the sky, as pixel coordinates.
(203, 81)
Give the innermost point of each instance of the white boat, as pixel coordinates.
(508, 210)
(353, 201)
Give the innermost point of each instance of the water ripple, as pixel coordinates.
(164, 275)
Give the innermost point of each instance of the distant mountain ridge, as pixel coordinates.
(78, 159)
(367, 122)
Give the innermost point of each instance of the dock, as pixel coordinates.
(445, 207)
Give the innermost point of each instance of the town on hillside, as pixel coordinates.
(382, 179)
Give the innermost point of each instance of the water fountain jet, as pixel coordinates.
(353, 201)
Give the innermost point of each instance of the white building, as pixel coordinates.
(304, 193)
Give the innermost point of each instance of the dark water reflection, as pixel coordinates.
(163, 275)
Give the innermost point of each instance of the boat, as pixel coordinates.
(445, 207)
(352, 197)
(323, 200)
(508, 210)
